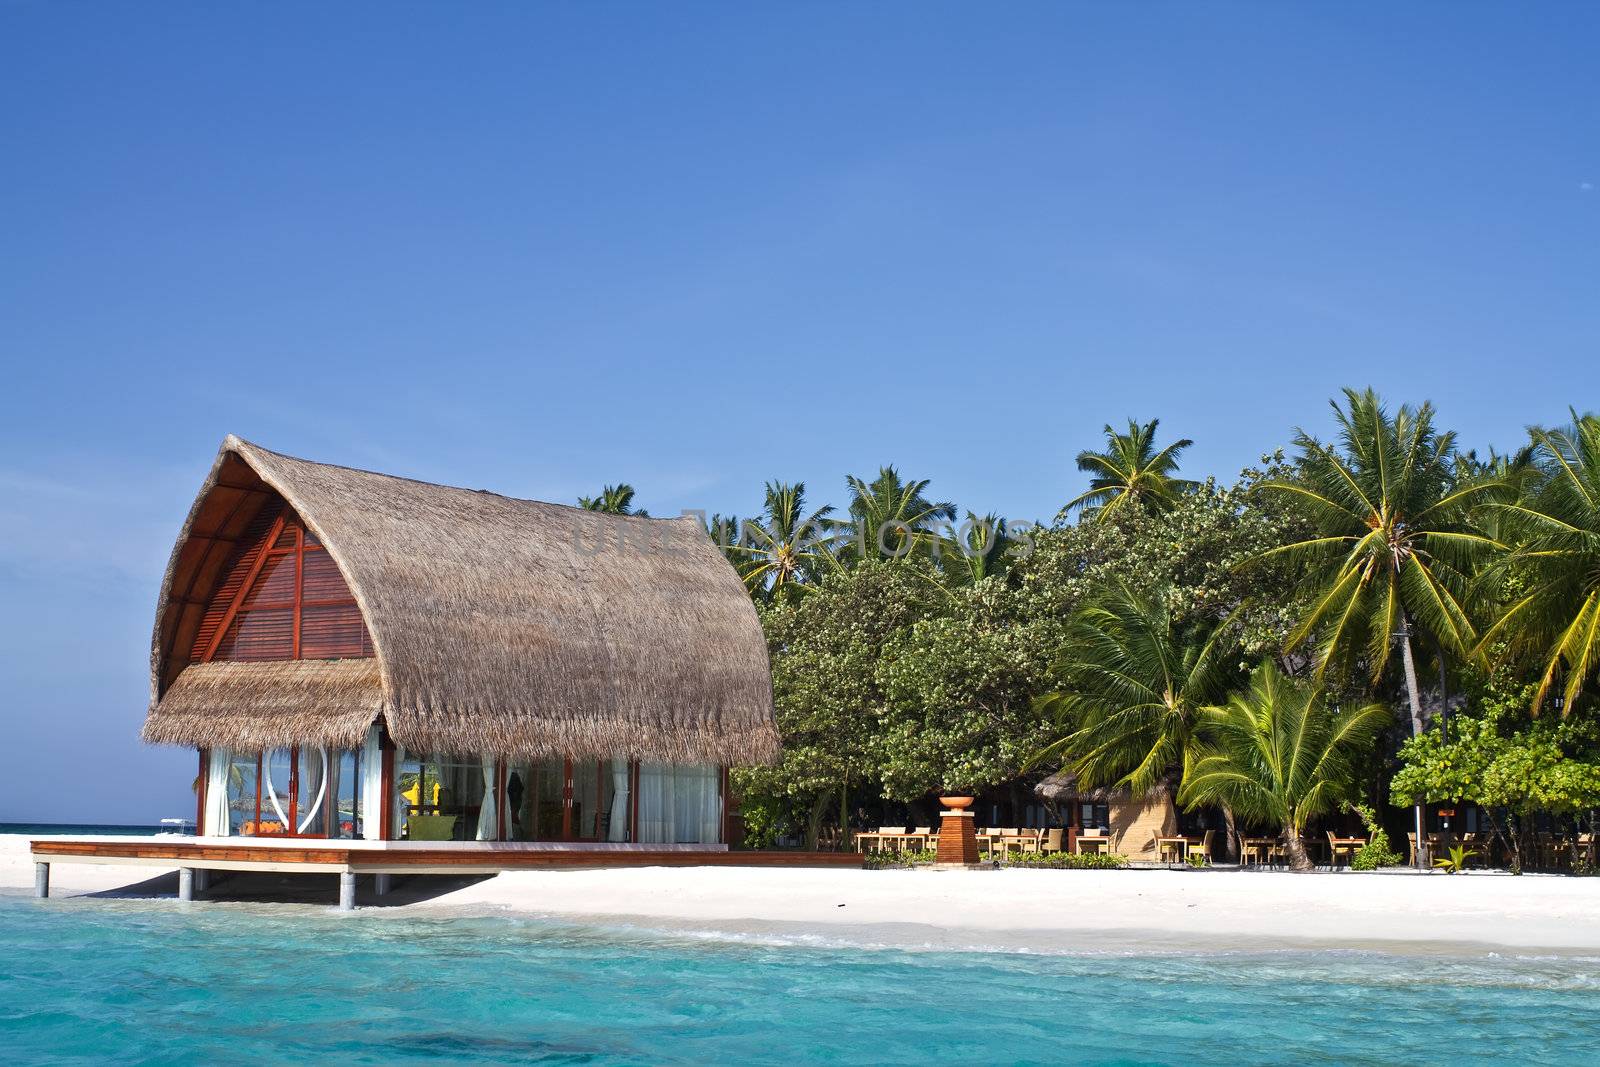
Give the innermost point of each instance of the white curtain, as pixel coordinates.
(489, 813)
(697, 805)
(681, 804)
(617, 830)
(218, 763)
(655, 803)
(372, 787)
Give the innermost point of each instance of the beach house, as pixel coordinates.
(365, 657)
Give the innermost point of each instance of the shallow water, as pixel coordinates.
(154, 982)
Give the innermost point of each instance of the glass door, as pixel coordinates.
(312, 782)
(584, 777)
(277, 792)
(568, 800)
(549, 822)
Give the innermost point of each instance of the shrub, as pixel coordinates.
(1096, 861)
(1072, 861)
(1376, 852)
(879, 861)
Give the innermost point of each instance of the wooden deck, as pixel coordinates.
(405, 857)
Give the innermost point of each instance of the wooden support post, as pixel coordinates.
(41, 880)
(347, 891)
(202, 879)
(185, 883)
(381, 883)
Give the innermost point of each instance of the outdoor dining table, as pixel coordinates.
(1336, 843)
(1096, 843)
(1266, 848)
(883, 840)
(1176, 845)
(1021, 841)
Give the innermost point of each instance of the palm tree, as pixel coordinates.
(1394, 549)
(891, 517)
(1131, 683)
(1280, 755)
(1130, 472)
(980, 549)
(1554, 563)
(788, 546)
(728, 535)
(613, 500)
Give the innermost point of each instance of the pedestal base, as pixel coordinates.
(958, 843)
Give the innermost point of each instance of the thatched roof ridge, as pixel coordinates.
(505, 625)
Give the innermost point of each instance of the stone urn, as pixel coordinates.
(956, 803)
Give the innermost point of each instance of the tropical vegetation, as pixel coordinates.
(1368, 619)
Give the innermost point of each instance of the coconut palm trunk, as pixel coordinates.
(1410, 664)
(1295, 846)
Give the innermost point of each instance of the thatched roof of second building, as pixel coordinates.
(499, 625)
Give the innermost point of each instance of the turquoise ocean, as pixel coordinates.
(98, 979)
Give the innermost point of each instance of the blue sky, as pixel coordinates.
(694, 247)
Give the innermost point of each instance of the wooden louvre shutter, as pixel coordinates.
(282, 597)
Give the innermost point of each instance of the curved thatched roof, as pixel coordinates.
(500, 625)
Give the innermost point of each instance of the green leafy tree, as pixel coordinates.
(1202, 558)
(825, 650)
(1131, 472)
(1279, 754)
(1500, 761)
(958, 689)
(613, 500)
(1554, 564)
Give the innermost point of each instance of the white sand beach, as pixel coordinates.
(1142, 910)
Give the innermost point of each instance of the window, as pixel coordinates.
(442, 798)
(680, 804)
(568, 800)
(294, 792)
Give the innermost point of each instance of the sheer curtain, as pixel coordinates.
(680, 804)
(489, 813)
(372, 799)
(697, 806)
(218, 762)
(617, 828)
(655, 803)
